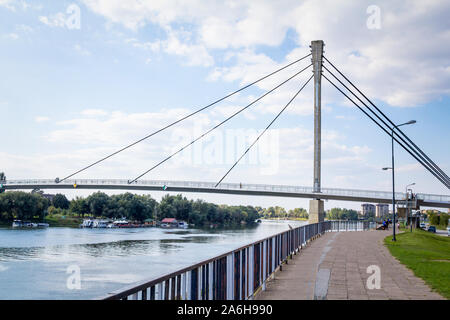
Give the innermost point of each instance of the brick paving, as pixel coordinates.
(345, 256)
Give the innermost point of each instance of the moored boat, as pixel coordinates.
(182, 224)
(28, 224)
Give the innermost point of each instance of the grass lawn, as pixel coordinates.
(427, 255)
(57, 220)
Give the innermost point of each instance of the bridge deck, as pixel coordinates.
(430, 200)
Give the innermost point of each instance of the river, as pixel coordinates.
(34, 264)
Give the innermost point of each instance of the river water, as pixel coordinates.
(36, 264)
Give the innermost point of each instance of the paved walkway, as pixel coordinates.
(334, 267)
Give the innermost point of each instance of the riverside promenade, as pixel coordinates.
(334, 267)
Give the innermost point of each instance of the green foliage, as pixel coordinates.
(60, 201)
(97, 203)
(434, 219)
(427, 255)
(279, 212)
(443, 220)
(341, 214)
(298, 213)
(23, 206)
(79, 206)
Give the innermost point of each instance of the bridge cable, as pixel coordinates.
(218, 125)
(386, 131)
(387, 125)
(401, 144)
(402, 133)
(184, 118)
(268, 126)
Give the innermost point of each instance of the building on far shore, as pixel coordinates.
(49, 196)
(367, 210)
(382, 209)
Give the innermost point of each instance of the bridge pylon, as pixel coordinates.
(316, 206)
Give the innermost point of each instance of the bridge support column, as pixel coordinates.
(316, 59)
(316, 211)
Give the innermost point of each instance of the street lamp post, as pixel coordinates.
(393, 176)
(408, 214)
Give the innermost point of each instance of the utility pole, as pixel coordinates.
(316, 207)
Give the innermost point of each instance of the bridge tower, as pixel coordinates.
(316, 206)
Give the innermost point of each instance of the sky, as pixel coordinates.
(81, 79)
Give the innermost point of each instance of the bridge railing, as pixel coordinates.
(382, 195)
(235, 275)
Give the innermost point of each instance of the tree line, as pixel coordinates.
(29, 206)
(438, 219)
(280, 212)
(341, 214)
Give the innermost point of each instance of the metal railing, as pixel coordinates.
(338, 226)
(235, 275)
(235, 186)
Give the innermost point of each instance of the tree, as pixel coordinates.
(97, 203)
(166, 207)
(79, 206)
(22, 205)
(443, 219)
(434, 218)
(60, 201)
(342, 214)
(298, 213)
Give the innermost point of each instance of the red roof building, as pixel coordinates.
(169, 220)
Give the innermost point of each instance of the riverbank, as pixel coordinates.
(286, 219)
(58, 220)
(427, 255)
(72, 221)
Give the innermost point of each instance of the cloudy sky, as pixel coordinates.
(81, 79)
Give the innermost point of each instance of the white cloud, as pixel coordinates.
(94, 112)
(13, 36)
(40, 119)
(8, 4)
(179, 44)
(82, 51)
(24, 28)
(404, 63)
(55, 20)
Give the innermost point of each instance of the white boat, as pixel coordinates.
(26, 224)
(87, 223)
(100, 223)
(182, 225)
(17, 224)
(120, 224)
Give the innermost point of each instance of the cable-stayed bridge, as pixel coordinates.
(322, 67)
